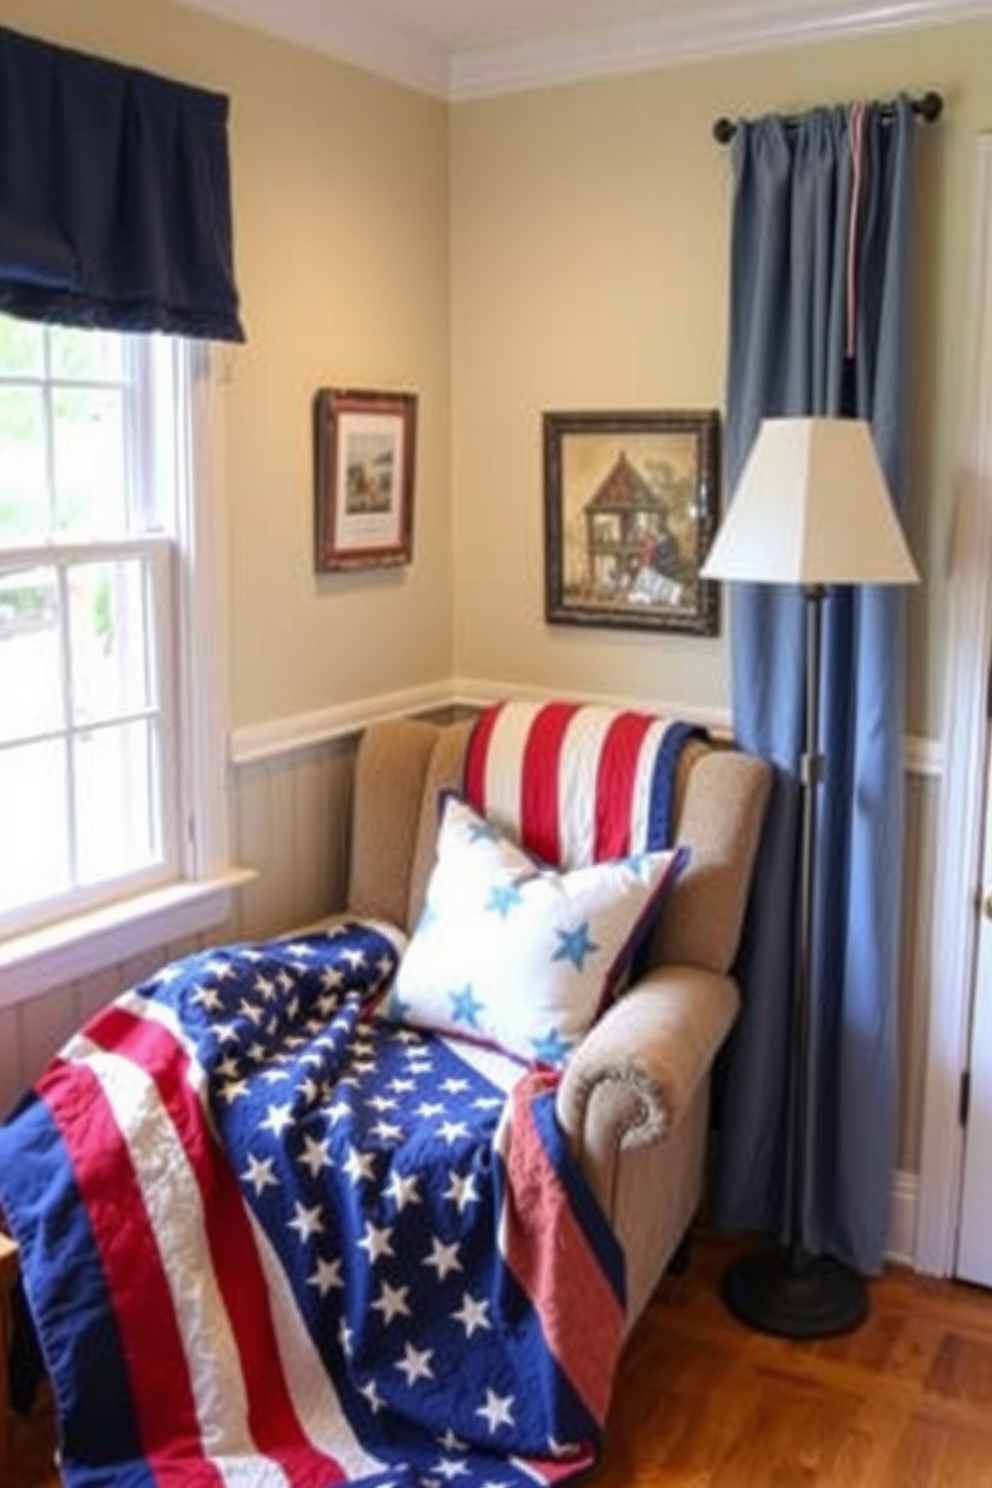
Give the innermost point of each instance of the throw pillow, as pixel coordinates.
(516, 954)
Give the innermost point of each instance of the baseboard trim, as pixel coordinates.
(903, 1202)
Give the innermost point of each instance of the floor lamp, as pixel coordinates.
(811, 508)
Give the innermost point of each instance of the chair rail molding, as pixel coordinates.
(257, 742)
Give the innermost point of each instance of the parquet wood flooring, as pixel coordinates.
(904, 1402)
(701, 1402)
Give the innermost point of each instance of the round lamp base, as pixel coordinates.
(775, 1291)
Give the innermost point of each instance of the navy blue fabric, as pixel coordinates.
(787, 357)
(661, 821)
(43, 1204)
(115, 197)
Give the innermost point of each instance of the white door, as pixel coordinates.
(974, 1254)
(954, 1218)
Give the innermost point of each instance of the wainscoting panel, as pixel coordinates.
(291, 827)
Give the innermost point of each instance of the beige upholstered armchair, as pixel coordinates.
(634, 1098)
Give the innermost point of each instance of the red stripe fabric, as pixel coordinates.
(475, 760)
(548, 1470)
(272, 1418)
(571, 782)
(615, 782)
(539, 788)
(580, 1315)
(150, 1338)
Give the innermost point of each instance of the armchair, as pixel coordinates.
(634, 1097)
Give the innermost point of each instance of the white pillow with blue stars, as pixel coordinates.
(514, 954)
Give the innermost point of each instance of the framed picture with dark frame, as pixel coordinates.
(365, 462)
(630, 508)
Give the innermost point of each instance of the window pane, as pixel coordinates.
(85, 356)
(22, 348)
(24, 514)
(88, 436)
(30, 656)
(116, 782)
(111, 644)
(89, 454)
(34, 863)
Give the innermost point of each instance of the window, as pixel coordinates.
(102, 750)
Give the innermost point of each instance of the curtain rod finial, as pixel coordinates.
(931, 107)
(724, 131)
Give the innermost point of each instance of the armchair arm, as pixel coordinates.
(636, 1071)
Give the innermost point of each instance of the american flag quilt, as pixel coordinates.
(271, 1240)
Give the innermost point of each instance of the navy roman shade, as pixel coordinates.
(115, 196)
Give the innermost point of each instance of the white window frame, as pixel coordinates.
(157, 554)
(200, 897)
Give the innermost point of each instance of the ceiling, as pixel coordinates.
(465, 48)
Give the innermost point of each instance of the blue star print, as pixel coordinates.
(503, 898)
(575, 945)
(465, 1007)
(551, 1049)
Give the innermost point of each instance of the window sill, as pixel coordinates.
(64, 952)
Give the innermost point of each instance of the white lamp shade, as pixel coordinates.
(811, 507)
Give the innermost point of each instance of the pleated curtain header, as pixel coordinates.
(115, 196)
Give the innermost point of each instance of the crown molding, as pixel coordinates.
(343, 29)
(696, 33)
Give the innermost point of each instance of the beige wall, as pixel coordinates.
(341, 212)
(586, 267)
(589, 269)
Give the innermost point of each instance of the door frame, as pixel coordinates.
(966, 736)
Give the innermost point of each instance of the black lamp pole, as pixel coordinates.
(784, 1289)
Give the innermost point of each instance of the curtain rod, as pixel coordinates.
(929, 108)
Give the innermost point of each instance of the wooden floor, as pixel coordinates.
(700, 1402)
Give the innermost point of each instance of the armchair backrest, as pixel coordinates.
(720, 796)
